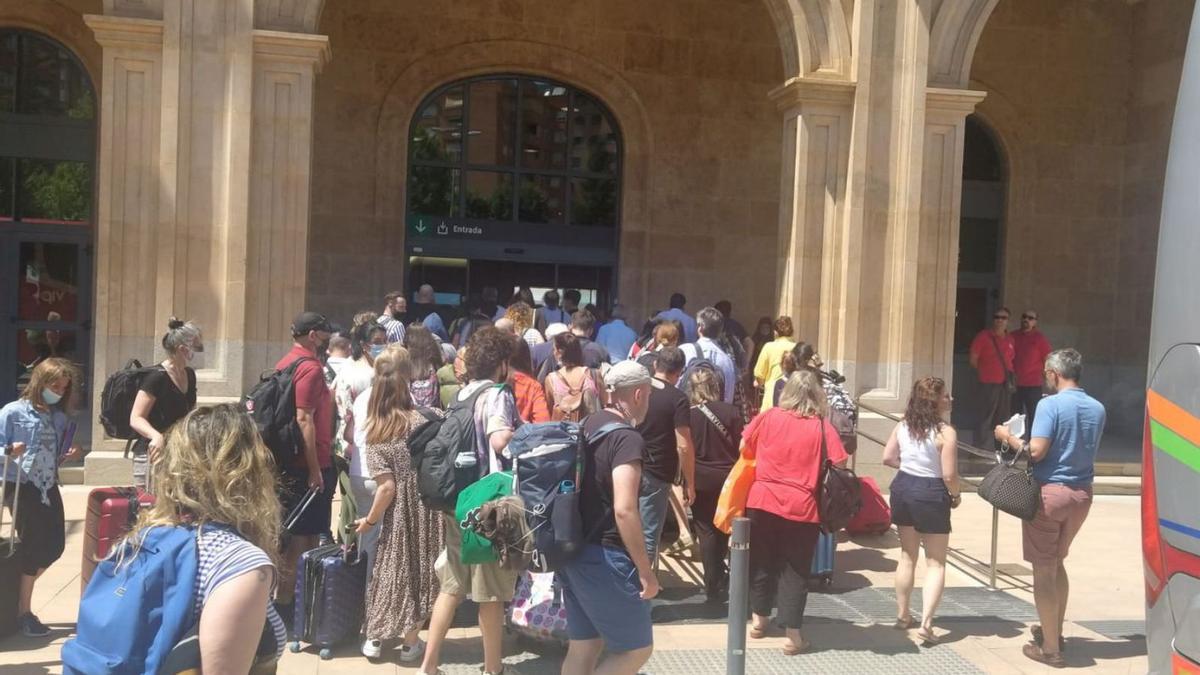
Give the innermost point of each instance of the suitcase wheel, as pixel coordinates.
(294, 647)
(826, 579)
(326, 653)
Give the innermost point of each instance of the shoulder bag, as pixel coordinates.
(1011, 488)
(839, 492)
(1010, 378)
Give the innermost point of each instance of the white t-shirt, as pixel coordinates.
(358, 461)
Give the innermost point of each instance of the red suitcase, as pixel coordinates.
(875, 516)
(111, 513)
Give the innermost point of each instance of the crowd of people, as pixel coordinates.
(689, 393)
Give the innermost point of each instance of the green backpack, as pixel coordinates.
(475, 549)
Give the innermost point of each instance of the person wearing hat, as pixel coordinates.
(607, 587)
(314, 467)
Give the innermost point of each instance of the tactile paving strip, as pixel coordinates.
(931, 661)
(1117, 629)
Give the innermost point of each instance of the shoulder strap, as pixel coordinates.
(824, 460)
(716, 422)
(999, 354)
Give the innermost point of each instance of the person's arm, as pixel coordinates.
(687, 462)
(891, 451)
(949, 456)
(308, 430)
(627, 479)
(139, 421)
(974, 359)
(385, 493)
(231, 623)
(501, 422)
(763, 368)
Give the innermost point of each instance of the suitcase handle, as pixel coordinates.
(12, 529)
(299, 509)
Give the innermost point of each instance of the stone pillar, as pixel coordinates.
(816, 143)
(206, 134)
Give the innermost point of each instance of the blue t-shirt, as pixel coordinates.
(1074, 423)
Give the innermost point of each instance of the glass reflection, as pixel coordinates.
(437, 134)
(433, 190)
(491, 133)
(543, 125)
(542, 200)
(594, 201)
(51, 82)
(55, 191)
(48, 281)
(489, 195)
(593, 139)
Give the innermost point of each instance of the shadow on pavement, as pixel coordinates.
(959, 628)
(1083, 652)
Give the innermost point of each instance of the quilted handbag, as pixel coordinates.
(1012, 489)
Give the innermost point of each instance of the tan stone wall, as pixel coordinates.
(701, 184)
(1080, 94)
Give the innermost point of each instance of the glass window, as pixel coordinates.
(493, 115)
(8, 71)
(556, 147)
(6, 188)
(54, 191)
(52, 83)
(48, 276)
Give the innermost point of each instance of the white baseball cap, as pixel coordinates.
(556, 329)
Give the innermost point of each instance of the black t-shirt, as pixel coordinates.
(170, 404)
(735, 329)
(623, 446)
(668, 411)
(716, 453)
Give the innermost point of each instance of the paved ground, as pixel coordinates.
(983, 630)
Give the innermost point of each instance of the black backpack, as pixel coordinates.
(700, 361)
(116, 400)
(272, 406)
(443, 453)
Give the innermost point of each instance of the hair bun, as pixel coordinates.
(174, 324)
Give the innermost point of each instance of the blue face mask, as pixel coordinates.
(376, 350)
(50, 396)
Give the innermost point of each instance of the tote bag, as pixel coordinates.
(732, 502)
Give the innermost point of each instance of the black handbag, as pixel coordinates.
(839, 492)
(1012, 489)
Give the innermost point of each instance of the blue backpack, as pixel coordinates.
(132, 616)
(548, 472)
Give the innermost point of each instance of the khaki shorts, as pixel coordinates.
(481, 583)
(1047, 538)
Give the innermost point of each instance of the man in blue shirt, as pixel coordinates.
(616, 336)
(710, 324)
(676, 313)
(1066, 434)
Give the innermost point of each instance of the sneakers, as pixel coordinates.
(372, 648)
(411, 654)
(32, 627)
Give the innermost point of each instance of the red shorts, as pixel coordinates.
(1047, 538)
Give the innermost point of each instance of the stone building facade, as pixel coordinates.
(803, 157)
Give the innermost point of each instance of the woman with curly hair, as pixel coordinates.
(521, 316)
(924, 448)
(425, 357)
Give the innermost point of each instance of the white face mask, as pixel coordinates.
(50, 396)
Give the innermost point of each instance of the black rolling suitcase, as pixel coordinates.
(10, 564)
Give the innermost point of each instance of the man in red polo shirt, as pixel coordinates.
(313, 468)
(992, 354)
(1032, 348)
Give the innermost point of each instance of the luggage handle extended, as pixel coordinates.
(13, 538)
(299, 509)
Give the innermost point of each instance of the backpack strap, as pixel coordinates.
(588, 441)
(716, 422)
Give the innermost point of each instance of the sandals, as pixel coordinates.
(792, 650)
(1039, 637)
(927, 636)
(759, 633)
(1035, 653)
(905, 623)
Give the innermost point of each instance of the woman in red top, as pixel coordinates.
(531, 399)
(782, 505)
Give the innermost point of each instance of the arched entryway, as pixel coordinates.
(47, 161)
(980, 258)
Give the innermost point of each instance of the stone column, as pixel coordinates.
(206, 134)
(816, 144)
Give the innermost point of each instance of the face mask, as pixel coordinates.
(50, 396)
(376, 350)
(199, 349)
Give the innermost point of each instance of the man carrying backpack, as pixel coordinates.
(489, 585)
(313, 468)
(710, 323)
(606, 588)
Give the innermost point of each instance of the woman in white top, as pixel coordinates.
(924, 449)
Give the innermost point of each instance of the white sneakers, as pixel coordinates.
(372, 649)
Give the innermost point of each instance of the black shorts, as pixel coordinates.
(920, 502)
(41, 527)
(316, 518)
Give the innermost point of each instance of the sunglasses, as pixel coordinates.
(1029, 317)
(1000, 316)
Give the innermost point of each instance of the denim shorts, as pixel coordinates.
(602, 593)
(920, 502)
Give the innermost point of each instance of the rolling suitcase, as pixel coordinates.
(111, 513)
(537, 611)
(10, 563)
(331, 588)
(875, 516)
(822, 564)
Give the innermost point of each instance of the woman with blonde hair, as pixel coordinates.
(787, 442)
(769, 367)
(34, 432)
(402, 587)
(521, 316)
(924, 448)
(215, 476)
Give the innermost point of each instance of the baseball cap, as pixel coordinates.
(626, 374)
(306, 322)
(555, 329)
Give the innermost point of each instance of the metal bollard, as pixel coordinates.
(739, 591)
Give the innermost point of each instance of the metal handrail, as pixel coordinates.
(970, 449)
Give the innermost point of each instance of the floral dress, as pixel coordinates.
(403, 585)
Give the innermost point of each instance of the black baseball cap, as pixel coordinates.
(306, 322)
